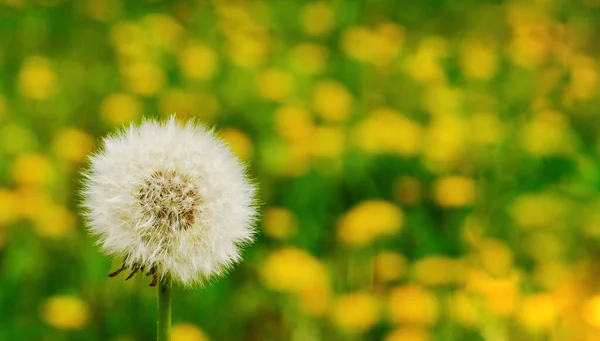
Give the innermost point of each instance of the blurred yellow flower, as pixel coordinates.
(531, 45)
(37, 78)
(552, 274)
(121, 108)
(198, 61)
(9, 202)
(332, 101)
(424, 65)
(65, 312)
(308, 58)
(187, 332)
(544, 245)
(279, 222)
(540, 210)
(412, 304)
(495, 257)
(389, 266)
(463, 308)
(441, 100)
(388, 131)
(478, 61)
(583, 78)
(591, 311)
(357, 311)
(436, 270)
(330, 141)
(294, 123)
(130, 39)
(548, 133)
(538, 311)
(53, 221)
(295, 271)
(379, 46)
(500, 295)
(408, 333)
(248, 51)
(72, 144)
(454, 191)
(407, 190)
(29, 200)
(317, 18)
(163, 31)
(143, 77)
(32, 169)
(274, 84)
(187, 103)
(445, 142)
(369, 220)
(240, 143)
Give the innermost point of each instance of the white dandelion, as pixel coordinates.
(170, 198)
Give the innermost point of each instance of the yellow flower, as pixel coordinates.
(72, 144)
(445, 142)
(32, 169)
(538, 311)
(279, 222)
(463, 309)
(163, 31)
(65, 312)
(308, 58)
(591, 311)
(424, 66)
(379, 46)
(552, 274)
(454, 191)
(478, 61)
(332, 101)
(119, 109)
(317, 18)
(583, 78)
(500, 294)
(436, 270)
(544, 246)
(387, 131)
(541, 210)
(105, 11)
(143, 77)
(407, 190)
(248, 51)
(30, 199)
(389, 266)
(531, 45)
(9, 202)
(357, 311)
(548, 133)
(495, 256)
(295, 271)
(187, 332)
(37, 79)
(412, 304)
(294, 123)
(53, 221)
(369, 220)
(330, 141)
(408, 334)
(198, 61)
(274, 84)
(241, 145)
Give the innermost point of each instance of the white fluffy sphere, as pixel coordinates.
(172, 199)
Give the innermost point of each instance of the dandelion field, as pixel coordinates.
(427, 170)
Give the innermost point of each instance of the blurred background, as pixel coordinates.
(429, 169)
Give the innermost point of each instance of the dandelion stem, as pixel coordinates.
(164, 310)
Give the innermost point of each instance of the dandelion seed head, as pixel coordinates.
(170, 198)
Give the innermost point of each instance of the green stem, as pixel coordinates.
(164, 310)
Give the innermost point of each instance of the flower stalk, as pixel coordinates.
(164, 310)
